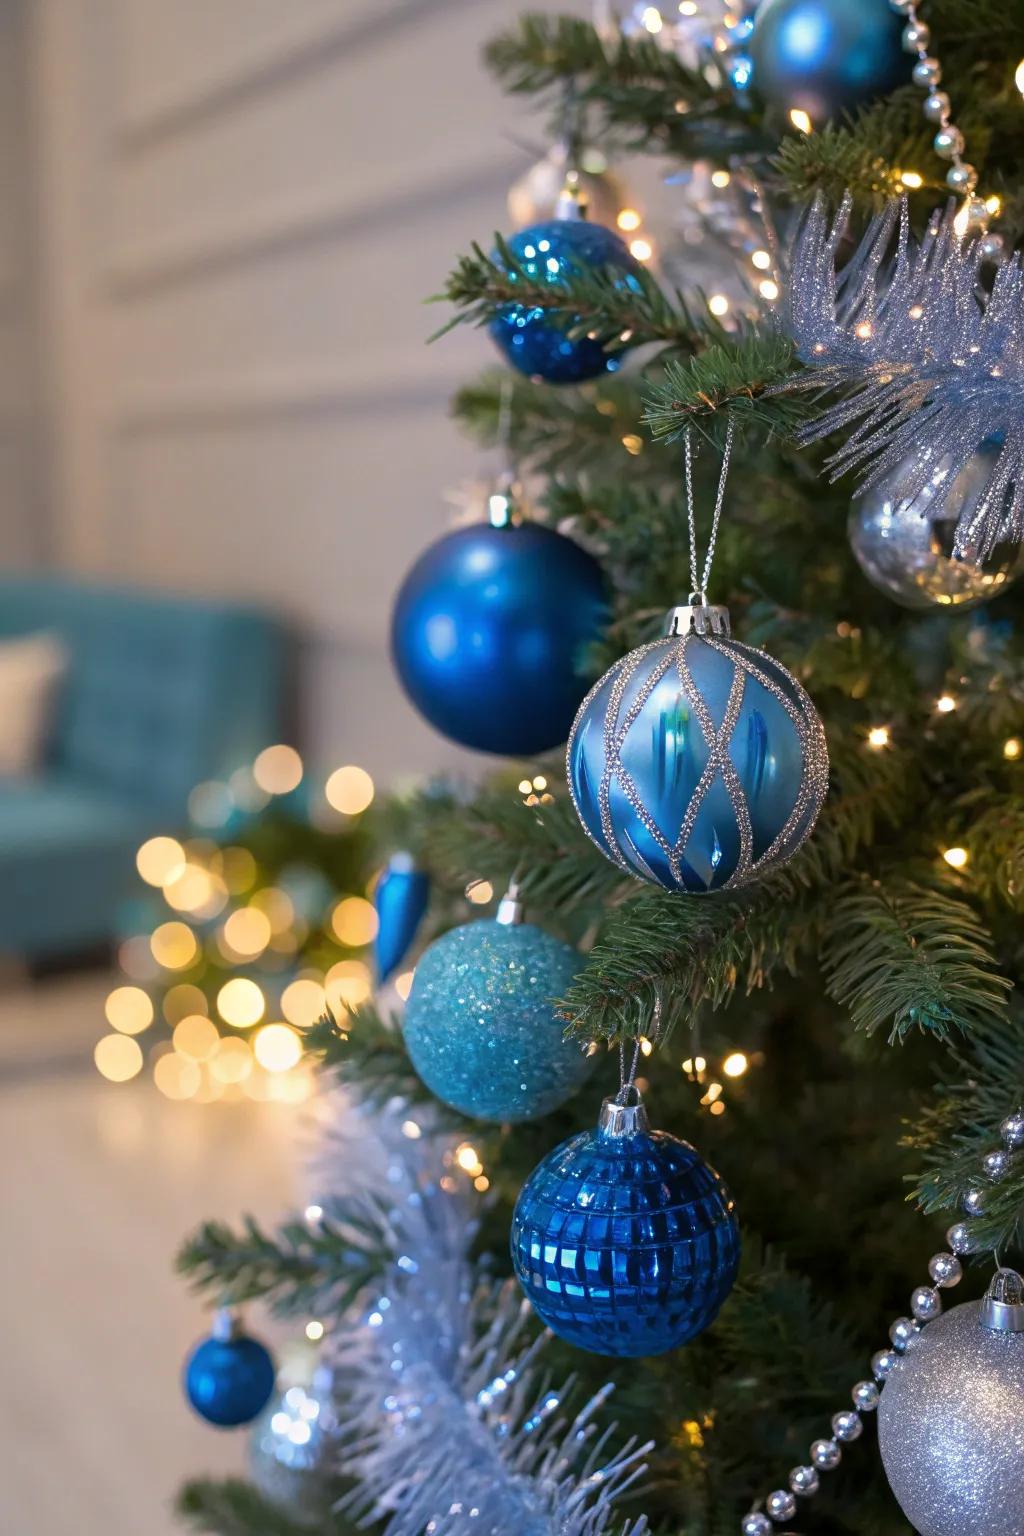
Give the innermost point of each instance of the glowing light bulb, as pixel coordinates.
(174, 946)
(1012, 747)
(314, 1331)
(761, 260)
(467, 1159)
(945, 704)
(800, 120)
(277, 1047)
(129, 1010)
(628, 218)
(642, 250)
(1019, 77)
(240, 1002)
(651, 20)
(956, 858)
(735, 1064)
(248, 932)
(118, 1058)
(479, 892)
(348, 985)
(349, 790)
(159, 860)
(354, 921)
(278, 770)
(769, 290)
(176, 1077)
(913, 180)
(196, 1036)
(303, 1001)
(878, 737)
(718, 304)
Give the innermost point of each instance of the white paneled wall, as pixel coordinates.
(243, 205)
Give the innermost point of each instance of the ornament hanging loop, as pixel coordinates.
(699, 581)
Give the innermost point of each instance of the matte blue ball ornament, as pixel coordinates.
(624, 1239)
(229, 1376)
(697, 763)
(826, 56)
(480, 1024)
(490, 631)
(554, 250)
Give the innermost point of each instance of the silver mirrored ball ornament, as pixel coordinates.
(905, 548)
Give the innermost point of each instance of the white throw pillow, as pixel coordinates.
(31, 668)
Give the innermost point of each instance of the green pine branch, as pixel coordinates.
(863, 154)
(231, 1507)
(367, 1051)
(906, 957)
(299, 1268)
(732, 379)
(596, 302)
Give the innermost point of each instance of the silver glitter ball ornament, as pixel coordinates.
(847, 1425)
(781, 1504)
(533, 198)
(905, 548)
(1012, 1130)
(756, 1524)
(826, 1455)
(951, 1430)
(294, 1449)
(804, 1481)
(996, 1165)
(945, 1269)
(865, 1396)
(926, 1303)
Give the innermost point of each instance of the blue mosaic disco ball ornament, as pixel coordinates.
(229, 1376)
(623, 1238)
(697, 763)
(490, 631)
(534, 343)
(826, 56)
(480, 1024)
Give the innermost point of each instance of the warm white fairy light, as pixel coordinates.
(735, 1064)
(878, 737)
(761, 260)
(945, 704)
(956, 858)
(314, 1331)
(1012, 747)
(912, 180)
(800, 120)
(641, 250)
(1019, 77)
(628, 219)
(718, 304)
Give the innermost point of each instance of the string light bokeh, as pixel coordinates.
(241, 955)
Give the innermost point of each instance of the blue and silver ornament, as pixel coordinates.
(624, 1239)
(539, 341)
(697, 763)
(480, 1025)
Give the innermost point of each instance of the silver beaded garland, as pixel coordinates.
(883, 1363)
(847, 1425)
(804, 1481)
(865, 1396)
(902, 1331)
(945, 1269)
(781, 1505)
(996, 1164)
(826, 1455)
(1012, 1130)
(925, 1303)
(756, 1524)
(973, 1201)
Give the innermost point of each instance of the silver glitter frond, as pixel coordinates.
(446, 1421)
(930, 364)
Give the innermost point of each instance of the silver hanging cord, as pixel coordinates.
(700, 584)
(505, 417)
(628, 1079)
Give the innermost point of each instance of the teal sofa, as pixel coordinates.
(160, 694)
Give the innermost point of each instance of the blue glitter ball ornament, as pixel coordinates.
(480, 1024)
(624, 1239)
(697, 763)
(826, 56)
(229, 1376)
(401, 897)
(489, 632)
(529, 338)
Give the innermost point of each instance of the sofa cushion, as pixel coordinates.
(30, 670)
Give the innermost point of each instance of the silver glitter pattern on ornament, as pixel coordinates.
(671, 655)
(951, 1430)
(928, 364)
(448, 1423)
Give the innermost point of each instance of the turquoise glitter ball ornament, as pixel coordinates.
(480, 1024)
(230, 1375)
(697, 763)
(624, 1239)
(564, 246)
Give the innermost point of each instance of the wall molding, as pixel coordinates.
(325, 216)
(274, 63)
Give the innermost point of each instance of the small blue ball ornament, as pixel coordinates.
(532, 341)
(697, 763)
(490, 631)
(623, 1238)
(826, 56)
(480, 1024)
(229, 1376)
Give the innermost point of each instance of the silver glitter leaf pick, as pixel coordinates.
(930, 365)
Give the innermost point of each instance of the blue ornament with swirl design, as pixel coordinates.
(532, 341)
(229, 1376)
(490, 632)
(826, 56)
(697, 763)
(624, 1239)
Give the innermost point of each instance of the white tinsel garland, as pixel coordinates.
(445, 1420)
(931, 364)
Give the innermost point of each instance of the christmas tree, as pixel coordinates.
(824, 1011)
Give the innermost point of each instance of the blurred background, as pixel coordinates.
(222, 442)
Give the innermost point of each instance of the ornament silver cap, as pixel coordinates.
(1003, 1307)
(572, 200)
(697, 617)
(624, 1115)
(226, 1325)
(510, 908)
(504, 509)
